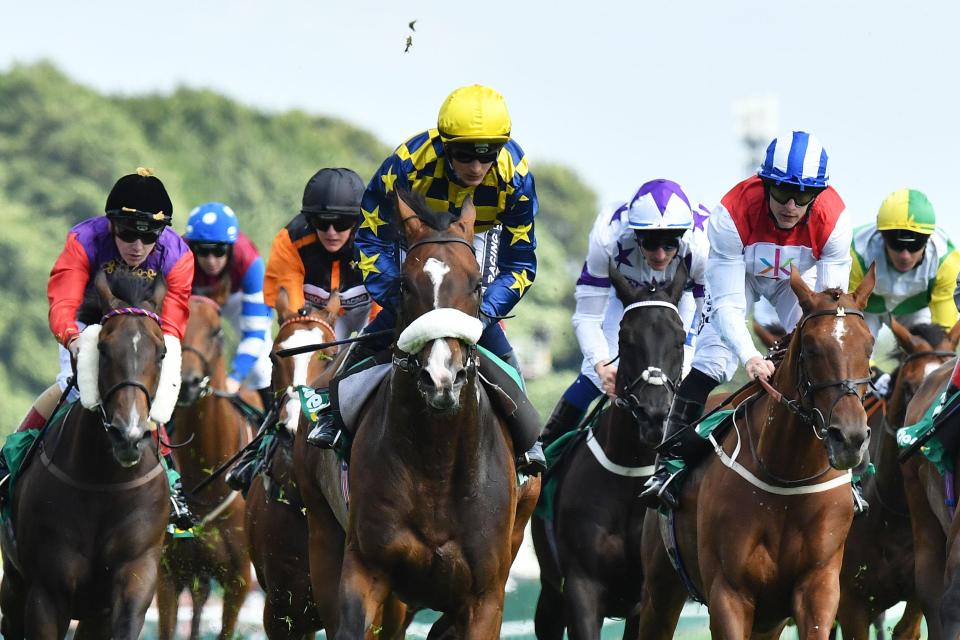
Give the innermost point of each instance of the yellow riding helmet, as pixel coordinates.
(907, 209)
(474, 114)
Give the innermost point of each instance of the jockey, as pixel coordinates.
(469, 153)
(645, 239)
(311, 258)
(135, 235)
(916, 263)
(313, 255)
(786, 216)
(228, 268)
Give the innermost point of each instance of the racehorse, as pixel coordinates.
(212, 429)
(597, 523)
(434, 511)
(276, 525)
(88, 515)
(758, 550)
(933, 521)
(878, 561)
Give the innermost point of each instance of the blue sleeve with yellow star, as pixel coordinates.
(517, 258)
(376, 239)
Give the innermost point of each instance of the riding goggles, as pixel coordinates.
(468, 153)
(902, 240)
(132, 235)
(339, 223)
(216, 249)
(800, 198)
(654, 241)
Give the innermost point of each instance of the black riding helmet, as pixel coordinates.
(332, 194)
(140, 202)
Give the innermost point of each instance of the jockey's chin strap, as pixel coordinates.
(805, 387)
(652, 376)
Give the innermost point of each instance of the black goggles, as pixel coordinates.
(132, 235)
(339, 223)
(466, 155)
(783, 195)
(216, 249)
(898, 241)
(654, 241)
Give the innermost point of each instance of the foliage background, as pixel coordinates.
(62, 146)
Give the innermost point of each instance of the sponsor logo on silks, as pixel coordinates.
(774, 262)
(312, 401)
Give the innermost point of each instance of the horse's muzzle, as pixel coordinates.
(846, 446)
(442, 392)
(128, 444)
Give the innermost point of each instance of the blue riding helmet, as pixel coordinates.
(797, 159)
(212, 222)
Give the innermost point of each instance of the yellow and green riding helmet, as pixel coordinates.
(907, 210)
(474, 114)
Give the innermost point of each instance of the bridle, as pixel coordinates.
(803, 407)
(628, 399)
(205, 389)
(105, 397)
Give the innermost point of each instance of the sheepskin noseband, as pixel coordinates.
(88, 375)
(439, 323)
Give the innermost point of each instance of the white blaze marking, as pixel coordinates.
(438, 366)
(930, 368)
(301, 363)
(436, 269)
(839, 330)
(136, 342)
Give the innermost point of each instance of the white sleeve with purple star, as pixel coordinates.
(593, 285)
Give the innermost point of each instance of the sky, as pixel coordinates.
(623, 92)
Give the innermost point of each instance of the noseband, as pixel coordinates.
(104, 398)
(651, 376)
(802, 407)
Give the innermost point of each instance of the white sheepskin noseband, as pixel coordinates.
(88, 375)
(439, 323)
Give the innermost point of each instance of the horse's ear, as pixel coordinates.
(804, 293)
(767, 337)
(679, 282)
(468, 217)
(905, 339)
(865, 288)
(954, 334)
(282, 304)
(625, 291)
(159, 292)
(104, 293)
(410, 225)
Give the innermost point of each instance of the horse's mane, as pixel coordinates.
(439, 221)
(129, 288)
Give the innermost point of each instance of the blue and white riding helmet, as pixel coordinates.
(797, 159)
(660, 205)
(212, 222)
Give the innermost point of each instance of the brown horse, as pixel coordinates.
(763, 540)
(276, 524)
(88, 515)
(434, 509)
(878, 561)
(213, 429)
(934, 525)
(597, 522)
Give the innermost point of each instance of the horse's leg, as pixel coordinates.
(45, 616)
(663, 594)
(363, 591)
(482, 618)
(11, 606)
(731, 612)
(929, 547)
(908, 627)
(854, 618)
(134, 585)
(167, 602)
(548, 622)
(581, 600)
(394, 619)
(631, 628)
(93, 629)
(325, 545)
(815, 602)
(199, 593)
(236, 584)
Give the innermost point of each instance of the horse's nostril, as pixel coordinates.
(426, 380)
(461, 377)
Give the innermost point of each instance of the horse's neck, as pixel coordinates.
(889, 479)
(786, 445)
(618, 433)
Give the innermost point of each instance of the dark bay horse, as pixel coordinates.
(276, 523)
(934, 523)
(435, 516)
(89, 513)
(763, 540)
(212, 429)
(597, 522)
(878, 561)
